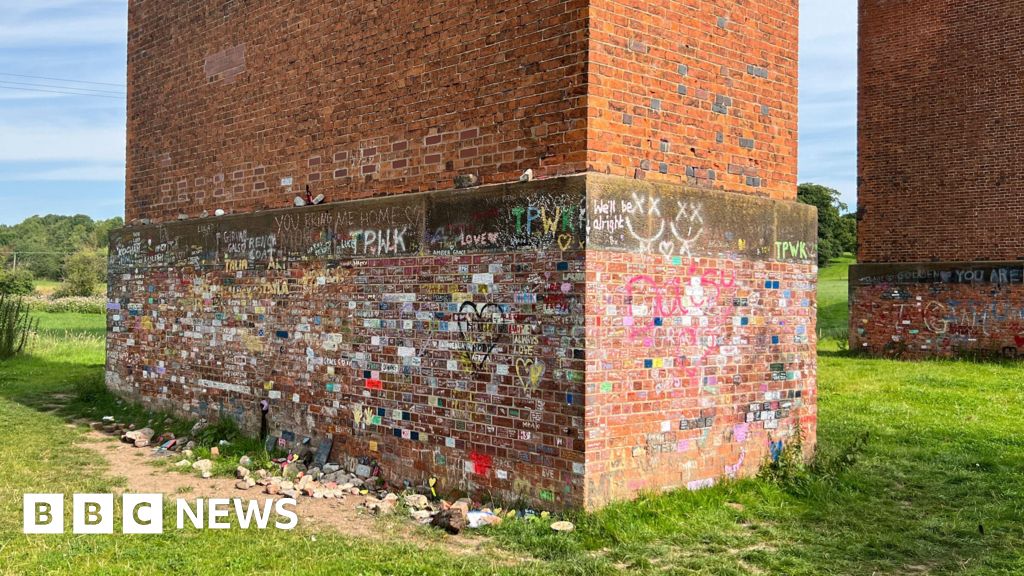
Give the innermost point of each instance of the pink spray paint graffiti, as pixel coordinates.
(680, 316)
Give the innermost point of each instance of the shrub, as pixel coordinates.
(15, 326)
(18, 282)
(74, 304)
(82, 271)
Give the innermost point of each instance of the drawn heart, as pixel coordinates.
(530, 372)
(1019, 340)
(666, 248)
(480, 330)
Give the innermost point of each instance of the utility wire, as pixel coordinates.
(62, 79)
(2, 87)
(37, 85)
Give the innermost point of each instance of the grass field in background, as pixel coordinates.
(48, 287)
(832, 298)
(937, 488)
(53, 325)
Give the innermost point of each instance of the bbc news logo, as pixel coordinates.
(144, 514)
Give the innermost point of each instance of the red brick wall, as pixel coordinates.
(941, 124)
(938, 310)
(355, 98)
(697, 366)
(228, 101)
(456, 353)
(555, 341)
(700, 93)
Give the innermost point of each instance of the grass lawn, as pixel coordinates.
(832, 297)
(45, 287)
(57, 325)
(938, 488)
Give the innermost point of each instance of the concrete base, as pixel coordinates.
(568, 342)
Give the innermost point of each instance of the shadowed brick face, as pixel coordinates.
(354, 98)
(941, 125)
(641, 316)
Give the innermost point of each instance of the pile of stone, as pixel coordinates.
(165, 444)
(296, 481)
(292, 479)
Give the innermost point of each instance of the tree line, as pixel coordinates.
(67, 249)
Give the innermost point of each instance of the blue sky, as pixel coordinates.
(64, 154)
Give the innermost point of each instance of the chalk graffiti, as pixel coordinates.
(529, 373)
(481, 329)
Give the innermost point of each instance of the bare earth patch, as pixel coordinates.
(344, 516)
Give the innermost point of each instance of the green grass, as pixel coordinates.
(938, 488)
(832, 298)
(56, 325)
(45, 287)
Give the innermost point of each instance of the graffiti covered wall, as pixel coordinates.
(937, 310)
(701, 359)
(529, 340)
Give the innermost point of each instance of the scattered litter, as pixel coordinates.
(479, 518)
(563, 526)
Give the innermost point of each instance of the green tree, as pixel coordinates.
(17, 283)
(43, 243)
(103, 230)
(832, 232)
(82, 271)
(848, 233)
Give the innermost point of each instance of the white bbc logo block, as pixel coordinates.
(143, 514)
(43, 514)
(92, 514)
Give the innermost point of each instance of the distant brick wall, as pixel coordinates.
(941, 126)
(939, 195)
(570, 342)
(238, 106)
(938, 310)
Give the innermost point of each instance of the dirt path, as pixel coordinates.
(344, 515)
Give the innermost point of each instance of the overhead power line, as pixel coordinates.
(37, 85)
(96, 95)
(62, 80)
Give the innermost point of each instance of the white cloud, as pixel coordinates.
(67, 30)
(49, 23)
(31, 141)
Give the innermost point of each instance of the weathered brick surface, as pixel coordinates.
(938, 310)
(940, 124)
(556, 341)
(239, 106)
(228, 99)
(647, 324)
(434, 335)
(700, 93)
